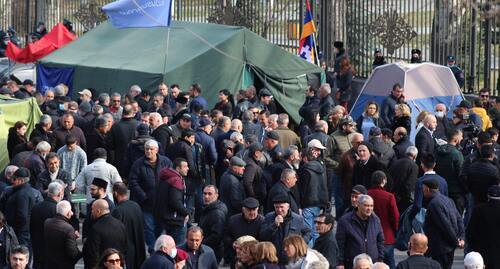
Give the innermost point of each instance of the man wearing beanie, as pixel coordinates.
(443, 225)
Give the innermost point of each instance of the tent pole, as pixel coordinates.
(166, 52)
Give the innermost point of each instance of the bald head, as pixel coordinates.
(324, 126)
(401, 131)
(380, 265)
(100, 207)
(418, 243)
(430, 122)
(237, 125)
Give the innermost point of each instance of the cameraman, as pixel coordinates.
(466, 117)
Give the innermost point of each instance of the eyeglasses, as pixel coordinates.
(114, 261)
(117, 101)
(319, 222)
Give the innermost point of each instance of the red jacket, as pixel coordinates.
(386, 209)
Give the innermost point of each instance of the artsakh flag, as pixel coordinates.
(307, 45)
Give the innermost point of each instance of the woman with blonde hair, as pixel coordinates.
(265, 256)
(300, 256)
(402, 118)
(370, 118)
(244, 258)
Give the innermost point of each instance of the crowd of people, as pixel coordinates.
(170, 182)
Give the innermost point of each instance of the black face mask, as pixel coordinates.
(416, 60)
(379, 59)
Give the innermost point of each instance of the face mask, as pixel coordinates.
(6, 42)
(44, 155)
(439, 114)
(173, 252)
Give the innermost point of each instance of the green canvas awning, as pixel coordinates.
(215, 56)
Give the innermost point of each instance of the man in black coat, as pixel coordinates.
(424, 140)
(248, 222)
(53, 172)
(365, 165)
(483, 234)
(403, 175)
(120, 135)
(41, 212)
(402, 142)
(143, 180)
(326, 243)
(160, 131)
(97, 137)
(284, 188)
(326, 101)
(162, 257)
(130, 214)
(213, 220)
(253, 180)
(416, 260)
(59, 245)
(97, 191)
(201, 256)
(17, 202)
(232, 192)
(443, 225)
(106, 232)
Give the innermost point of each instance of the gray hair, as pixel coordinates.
(247, 116)
(155, 115)
(45, 120)
(326, 87)
(289, 151)
(286, 173)
(273, 117)
(59, 90)
(97, 109)
(135, 88)
(364, 198)
(360, 257)
(63, 207)
(151, 143)
(43, 146)
(223, 121)
(236, 136)
(54, 189)
(10, 170)
(104, 97)
(164, 241)
(47, 91)
(380, 265)
(338, 108)
(411, 151)
(283, 119)
(115, 94)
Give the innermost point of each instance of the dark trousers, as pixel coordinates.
(444, 259)
(459, 200)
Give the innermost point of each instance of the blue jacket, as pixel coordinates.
(206, 259)
(419, 196)
(443, 225)
(208, 144)
(352, 239)
(293, 224)
(143, 181)
(159, 260)
(200, 100)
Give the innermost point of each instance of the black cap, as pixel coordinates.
(280, 199)
(143, 129)
(375, 131)
(431, 183)
(256, 146)
(28, 82)
(265, 92)
(186, 117)
(272, 135)
(204, 122)
(99, 182)
(22, 172)
(181, 100)
(360, 189)
(494, 192)
(465, 104)
(377, 50)
(338, 44)
(236, 161)
(251, 203)
(451, 58)
(416, 51)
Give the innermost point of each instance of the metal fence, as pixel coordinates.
(468, 29)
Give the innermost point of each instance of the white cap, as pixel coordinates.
(473, 260)
(86, 92)
(315, 144)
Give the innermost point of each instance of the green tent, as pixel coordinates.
(215, 56)
(11, 111)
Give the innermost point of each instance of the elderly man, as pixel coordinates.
(213, 220)
(417, 247)
(164, 254)
(362, 261)
(344, 171)
(160, 131)
(284, 187)
(474, 260)
(444, 124)
(326, 101)
(35, 162)
(404, 174)
(402, 142)
(99, 168)
(68, 127)
(106, 232)
(43, 128)
(232, 190)
(358, 232)
(120, 136)
(287, 137)
(282, 223)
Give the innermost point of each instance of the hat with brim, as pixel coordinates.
(315, 143)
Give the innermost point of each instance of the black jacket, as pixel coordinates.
(170, 199)
(253, 180)
(130, 214)
(449, 162)
(143, 179)
(424, 142)
(183, 149)
(206, 259)
(326, 244)
(40, 212)
(159, 260)
(163, 136)
(401, 146)
(61, 250)
(362, 173)
(419, 262)
(479, 176)
(443, 225)
(238, 226)
(94, 140)
(325, 105)
(9, 241)
(107, 232)
(383, 151)
(403, 174)
(483, 234)
(38, 131)
(16, 203)
(313, 185)
(232, 192)
(213, 222)
(118, 139)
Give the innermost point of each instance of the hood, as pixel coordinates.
(445, 149)
(315, 166)
(173, 178)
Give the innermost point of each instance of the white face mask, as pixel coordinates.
(439, 114)
(173, 252)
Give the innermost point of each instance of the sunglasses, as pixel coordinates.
(114, 261)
